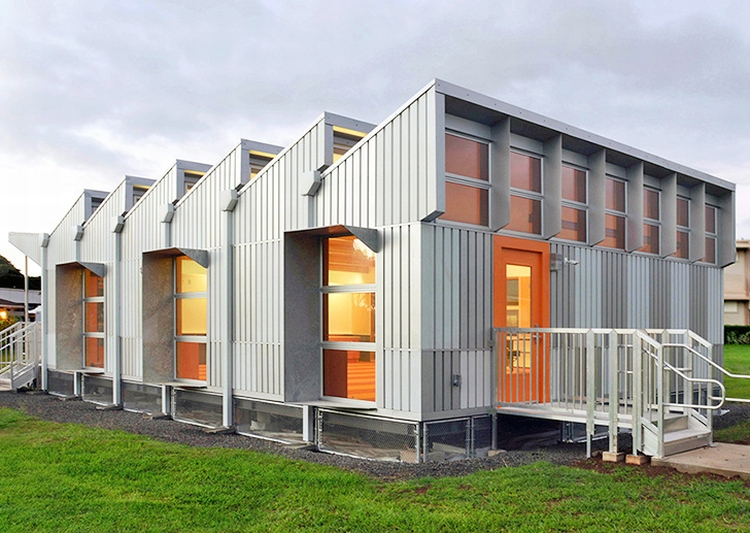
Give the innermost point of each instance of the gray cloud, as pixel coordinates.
(104, 88)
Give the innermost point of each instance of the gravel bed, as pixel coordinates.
(536, 446)
(52, 408)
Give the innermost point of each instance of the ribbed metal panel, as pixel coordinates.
(386, 180)
(29, 243)
(457, 317)
(609, 289)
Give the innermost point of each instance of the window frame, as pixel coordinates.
(574, 204)
(195, 339)
(615, 213)
(324, 290)
(651, 221)
(713, 236)
(683, 229)
(92, 334)
(468, 181)
(528, 194)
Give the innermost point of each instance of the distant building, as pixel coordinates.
(737, 288)
(11, 302)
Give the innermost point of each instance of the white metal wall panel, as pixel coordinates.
(386, 180)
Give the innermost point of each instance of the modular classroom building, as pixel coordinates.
(385, 291)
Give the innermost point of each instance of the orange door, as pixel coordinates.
(521, 276)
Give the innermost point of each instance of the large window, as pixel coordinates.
(711, 213)
(348, 292)
(93, 319)
(651, 221)
(614, 218)
(466, 180)
(683, 228)
(190, 319)
(574, 200)
(526, 193)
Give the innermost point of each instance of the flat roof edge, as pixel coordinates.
(461, 93)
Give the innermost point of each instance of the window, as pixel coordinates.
(348, 293)
(191, 178)
(574, 200)
(526, 193)
(93, 320)
(258, 161)
(683, 228)
(614, 218)
(138, 192)
(711, 213)
(190, 319)
(651, 221)
(466, 180)
(343, 140)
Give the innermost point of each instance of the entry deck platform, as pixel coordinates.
(728, 460)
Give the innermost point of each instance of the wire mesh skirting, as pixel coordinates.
(97, 389)
(60, 383)
(268, 420)
(457, 439)
(368, 437)
(141, 398)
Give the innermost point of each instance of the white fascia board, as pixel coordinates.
(460, 93)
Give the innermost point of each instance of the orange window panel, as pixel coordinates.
(573, 184)
(466, 204)
(349, 317)
(683, 245)
(683, 212)
(191, 360)
(347, 261)
(710, 256)
(94, 316)
(94, 285)
(573, 224)
(94, 349)
(466, 157)
(191, 277)
(525, 172)
(650, 204)
(650, 239)
(525, 215)
(349, 374)
(191, 316)
(614, 231)
(615, 195)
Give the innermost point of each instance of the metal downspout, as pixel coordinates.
(45, 313)
(116, 281)
(229, 203)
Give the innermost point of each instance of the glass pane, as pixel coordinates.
(710, 256)
(573, 184)
(710, 219)
(525, 215)
(683, 245)
(573, 224)
(338, 152)
(466, 157)
(347, 261)
(191, 316)
(466, 204)
(518, 296)
(525, 172)
(349, 374)
(650, 239)
(349, 317)
(94, 352)
(614, 231)
(191, 277)
(94, 320)
(651, 204)
(191, 360)
(615, 195)
(683, 212)
(94, 284)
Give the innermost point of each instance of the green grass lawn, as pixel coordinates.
(66, 477)
(737, 361)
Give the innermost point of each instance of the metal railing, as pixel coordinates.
(20, 349)
(623, 378)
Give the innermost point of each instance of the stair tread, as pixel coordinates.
(685, 434)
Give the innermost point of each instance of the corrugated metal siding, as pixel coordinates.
(387, 179)
(457, 310)
(609, 289)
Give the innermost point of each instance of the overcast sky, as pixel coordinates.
(91, 91)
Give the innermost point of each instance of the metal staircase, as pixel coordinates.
(20, 353)
(663, 385)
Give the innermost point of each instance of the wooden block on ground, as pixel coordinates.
(637, 459)
(612, 457)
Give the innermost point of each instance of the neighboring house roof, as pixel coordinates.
(15, 297)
